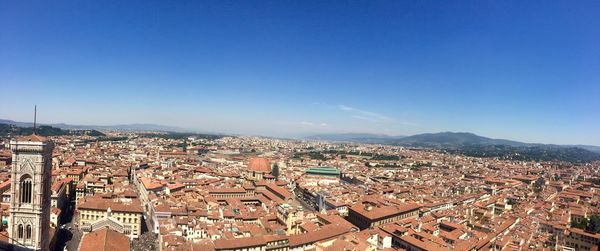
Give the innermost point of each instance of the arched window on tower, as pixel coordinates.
(28, 232)
(20, 231)
(26, 189)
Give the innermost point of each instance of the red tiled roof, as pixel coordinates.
(33, 137)
(98, 203)
(239, 243)
(424, 245)
(149, 184)
(5, 184)
(379, 212)
(56, 185)
(259, 165)
(327, 232)
(104, 240)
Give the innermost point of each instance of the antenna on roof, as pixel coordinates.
(34, 117)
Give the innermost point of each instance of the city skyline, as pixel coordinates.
(512, 70)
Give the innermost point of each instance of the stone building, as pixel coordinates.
(29, 217)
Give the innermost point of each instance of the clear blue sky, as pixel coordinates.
(522, 70)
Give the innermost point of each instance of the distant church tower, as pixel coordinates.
(29, 218)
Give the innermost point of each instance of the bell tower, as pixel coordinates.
(31, 175)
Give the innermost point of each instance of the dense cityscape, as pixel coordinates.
(285, 125)
(141, 191)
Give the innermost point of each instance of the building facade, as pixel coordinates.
(121, 215)
(29, 217)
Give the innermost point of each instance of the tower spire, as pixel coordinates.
(34, 117)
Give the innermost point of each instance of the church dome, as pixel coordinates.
(259, 165)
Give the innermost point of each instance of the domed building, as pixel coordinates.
(258, 168)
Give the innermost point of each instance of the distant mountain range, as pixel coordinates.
(126, 127)
(433, 140)
(474, 145)
(356, 137)
(457, 142)
(451, 139)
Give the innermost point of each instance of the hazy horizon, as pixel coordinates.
(297, 135)
(525, 71)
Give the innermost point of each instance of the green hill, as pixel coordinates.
(7, 130)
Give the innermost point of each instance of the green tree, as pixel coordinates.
(581, 225)
(275, 171)
(594, 224)
(538, 185)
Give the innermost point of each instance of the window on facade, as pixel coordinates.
(28, 232)
(20, 231)
(25, 189)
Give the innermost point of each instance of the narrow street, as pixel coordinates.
(68, 234)
(148, 240)
(306, 205)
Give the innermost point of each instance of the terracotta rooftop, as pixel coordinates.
(104, 240)
(150, 184)
(327, 232)
(240, 243)
(379, 212)
(33, 138)
(98, 203)
(259, 165)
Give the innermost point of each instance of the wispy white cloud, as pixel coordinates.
(365, 115)
(364, 118)
(346, 108)
(313, 124)
(369, 118)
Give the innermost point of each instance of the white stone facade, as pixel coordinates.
(29, 218)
